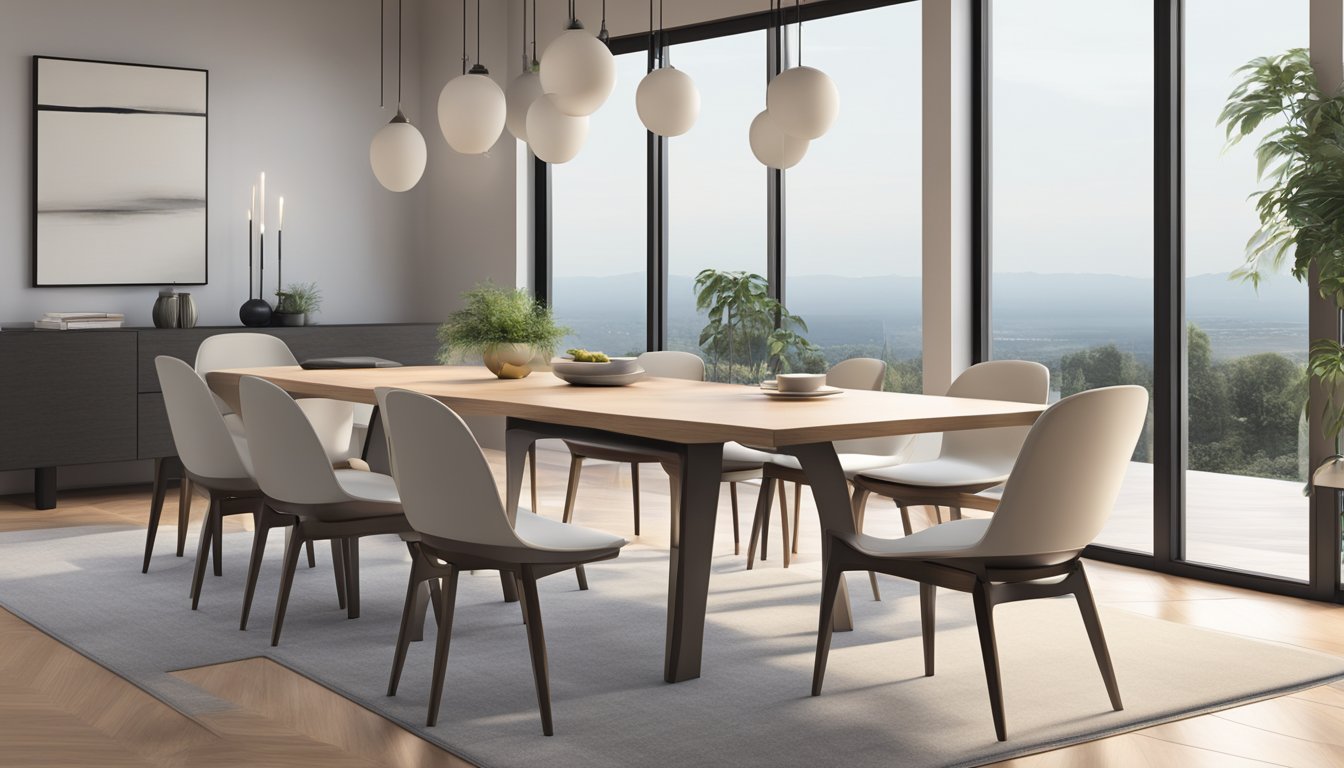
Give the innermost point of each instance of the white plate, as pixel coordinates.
(618, 365)
(825, 391)
(770, 384)
(599, 380)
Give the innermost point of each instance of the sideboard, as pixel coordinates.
(92, 396)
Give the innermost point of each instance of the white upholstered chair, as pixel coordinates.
(1056, 500)
(454, 507)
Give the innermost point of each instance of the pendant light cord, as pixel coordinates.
(464, 37)
(399, 55)
(798, 19)
(478, 32)
(382, 54)
(534, 32)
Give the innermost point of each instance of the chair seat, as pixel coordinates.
(737, 454)
(545, 533)
(369, 486)
(851, 463)
(604, 452)
(946, 539)
(941, 473)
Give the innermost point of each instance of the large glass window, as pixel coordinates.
(1247, 348)
(1072, 182)
(716, 189)
(853, 204)
(599, 234)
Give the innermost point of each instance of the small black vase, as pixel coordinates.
(255, 313)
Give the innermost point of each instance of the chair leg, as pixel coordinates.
(634, 484)
(954, 513)
(312, 558)
(203, 550)
(984, 620)
(928, 601)
(408, 611)
(532, 468)
(266, 519)
(441, 644)
(859, 504)
(155, 510)
(783, 524)
(760, 522)
(352, 578)
(217, 538)
(797, 514)
(830, 589)
(292, 551)
(572, 490)
(737, 533)
(536, 642)
(338, 569)
(1088, 608)
(186, 491)
(905, 519)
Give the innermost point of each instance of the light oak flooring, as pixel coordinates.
(59, 708)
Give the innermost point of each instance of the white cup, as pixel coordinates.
(800, 382)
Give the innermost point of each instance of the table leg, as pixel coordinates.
(831, 493)
(689, 562)
(44, 488)
(518, 443)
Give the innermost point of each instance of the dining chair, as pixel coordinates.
(969, 461)
(1056, 500)
(864, 373)
(454, 507)
(295, 474)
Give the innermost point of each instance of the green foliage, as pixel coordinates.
(495, 315)
(749, 333)
(299, 299)
(1302, 211)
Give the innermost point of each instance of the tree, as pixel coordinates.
(1207, 398)
(1267, 392)
(749, 332)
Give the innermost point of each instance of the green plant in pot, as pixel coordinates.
(506, 327)
(297, 304)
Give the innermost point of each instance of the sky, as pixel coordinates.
(1072, 133)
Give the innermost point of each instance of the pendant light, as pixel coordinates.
(471, 106)
(554, 136)
(577, 70)
(667, 100)
(525, 88)
(803, 100)
(769, 143)
(397, 153)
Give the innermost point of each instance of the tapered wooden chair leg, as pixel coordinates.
(760, 521)
(185, 494)
(905, 519)
(292, 552)
(928, 596)
(984, 620)
(312, 557)
(536, 643)
(532, 477)
(797, 513)
(155, 510)
(217, 537)
(572, 490)
(265, 520)
(203, 551)
(634, 484)
(737, 533)
(338, 569)
(859, 505)
(352, 578)
(441, 646)
(830, 589)
(783, 525)
(408, 611)
(1088, 608)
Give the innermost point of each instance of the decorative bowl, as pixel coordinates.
(618, 365)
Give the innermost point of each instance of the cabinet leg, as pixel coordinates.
(44, 488)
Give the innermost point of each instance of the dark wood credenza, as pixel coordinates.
(92, 396)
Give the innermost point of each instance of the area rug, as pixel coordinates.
(751, 706)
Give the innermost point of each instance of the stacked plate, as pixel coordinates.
(618, 372)
(770, 388)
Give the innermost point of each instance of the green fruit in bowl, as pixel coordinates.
(584, 356)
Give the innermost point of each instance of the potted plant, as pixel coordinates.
(506, 327)
(296, 305)
(749, 334)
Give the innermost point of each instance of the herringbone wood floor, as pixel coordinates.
(59, 708)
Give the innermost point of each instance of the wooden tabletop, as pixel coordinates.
(673, 410)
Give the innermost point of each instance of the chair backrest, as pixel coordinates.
(673, 365)
(1018, 381)
(242, 350)
(442, 476)
(288, 458)
(870, 374)
(1068, 475)
(203, 440)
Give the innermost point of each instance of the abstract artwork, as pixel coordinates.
(119, 174)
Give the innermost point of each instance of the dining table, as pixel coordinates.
(684, 423)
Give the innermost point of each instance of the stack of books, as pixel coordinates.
(74, 321)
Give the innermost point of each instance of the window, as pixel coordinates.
(853, 211)
(599, 235)
(1072, 185)
(1246, 430)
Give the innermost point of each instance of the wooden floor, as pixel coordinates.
(59, 708)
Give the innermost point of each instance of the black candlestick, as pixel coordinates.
(249, 258)
(279, 261)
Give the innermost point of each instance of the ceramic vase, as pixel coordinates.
(509, 361)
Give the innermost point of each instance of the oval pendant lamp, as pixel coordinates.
(803, 100)
(397, 153)
(577, 70)
(554, 136)
(771, 146)
(525, 88)
(472, 109)
(667, 100)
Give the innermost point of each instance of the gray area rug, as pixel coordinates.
(750, 708)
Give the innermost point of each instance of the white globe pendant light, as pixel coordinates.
(772, 146)
(578, 70)
(525, 89)
(667, 100)
(804, 102)
(554, 136)
(397, 153)
(472, 108)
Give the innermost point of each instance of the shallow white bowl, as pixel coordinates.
(800, 382)
(617, 366)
